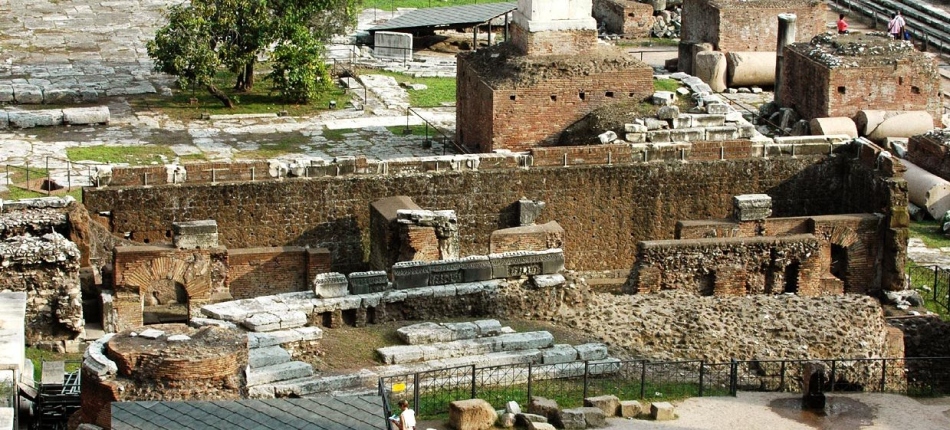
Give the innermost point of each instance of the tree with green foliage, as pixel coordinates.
(206, 36)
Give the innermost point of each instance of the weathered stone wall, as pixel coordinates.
(736, 25)
(629, 18)
(839, 83)
(47, 269)
(604, 209)
(730, 266)
(530, 107)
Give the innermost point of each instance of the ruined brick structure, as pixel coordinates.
(839, 75)
(629, 18)
(747, 25)
(517, 95)
(173, 363)
(604, 209)
(527, 238)
(931, 151)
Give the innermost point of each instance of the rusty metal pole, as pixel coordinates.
(787, 29)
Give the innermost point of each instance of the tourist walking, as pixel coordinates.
(405, 420)
(896, 26)
(842, 25)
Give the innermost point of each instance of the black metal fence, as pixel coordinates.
(569, 383)
(933, 282)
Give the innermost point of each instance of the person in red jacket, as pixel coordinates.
(842, 25)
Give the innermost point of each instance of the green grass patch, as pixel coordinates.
(665, 84)
(440, 91)
(338, 135)
(38, 356)
(922, 279)
(135, 155)
(418, 4)
(288, 143)
(413, 130)
(929, 232)
(188, 104)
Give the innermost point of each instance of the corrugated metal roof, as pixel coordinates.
(447, 16)
(322, 413)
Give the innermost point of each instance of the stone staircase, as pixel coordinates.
(433, 346)
(269, 363)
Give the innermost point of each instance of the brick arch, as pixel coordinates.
(854, 247)
(190, 270)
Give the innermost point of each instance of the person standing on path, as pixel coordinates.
(842, 25)
(406, 420)
(896, 26)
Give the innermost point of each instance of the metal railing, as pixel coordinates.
(445, 139)
(932, 281)
(569, 383)
(43, 179)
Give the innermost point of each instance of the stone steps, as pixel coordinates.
(277, 373)
(261, 340)
(429, 332)
(267, 356)
(400, 354)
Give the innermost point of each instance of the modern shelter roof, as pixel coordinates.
(447, 17)
(321, 413)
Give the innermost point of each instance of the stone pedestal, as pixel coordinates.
(752, 207)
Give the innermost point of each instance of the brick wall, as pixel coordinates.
(748, 25)
(814, 90)
(535, 112)
(527, 238)
(629, 18)
(604, 209)
(930, 153)
(565, 42)
(256, 272)
(418, 243)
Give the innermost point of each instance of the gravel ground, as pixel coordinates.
(779, 411)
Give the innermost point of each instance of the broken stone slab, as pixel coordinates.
(87, 115)
(267, 356)
(607, 137)
(333, 284)
(512, 407)
(178, 338)
(572, 419)
(529, 210)
(630, 408)
(547, 281)
(96, 361)
(635, 137)
(655, 124)
(540, 426)
(263, 321)
(593, 417)
(505, 419)
(27, 94)
(610, 404)
(525, 419)
(473, 414)
(717, 108)
(37, 118)
(544, 407)
(561, 353)
(205, 322)
(152, 333)
(668, 112)
(591, 351)
(488, 327)
(277, 373)
(635, 128)
(260, 340)
(662, 411)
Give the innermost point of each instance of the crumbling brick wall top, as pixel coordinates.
(503, 67)
(763, 4)
(858, 50)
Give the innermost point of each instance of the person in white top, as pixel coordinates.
(406, 420)
(896, 26)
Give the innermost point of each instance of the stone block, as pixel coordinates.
(368, 282)
(462, 330)
(528, 340)
(540, 426)
(61, 95)
(663, 98)
(520, 263)
(4, 120)
(635, 128)
(474, 414)
(6, 93)
(662, 411)
(529, 210)
(512, 407)
(401, 354)
(327, 285)
(635, 137)
(711, 67)
(607, 136)
(293, 319)
(267, 356)
(475, 268)
(655, 124)
(84, 116)
(591, 351)
(488, 327)
(445, 272)
(201, 234)
(717, 108)
(505, 419)
(547, 281)
(746, 130)
(608, 403)
(423, 333)
(722, 133)
(658, 136)
(668, 112)
(263, 321)
(544, 407)
(36, 118)
(708, 120)
(392, 45)
(572, 419)
(682, 121)
(561, 353)
(278, 372)
(751, 207)
(630, 408)
(593, 417)
(526, 420)
(27, 94)
(411, 274)
(687, 134)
